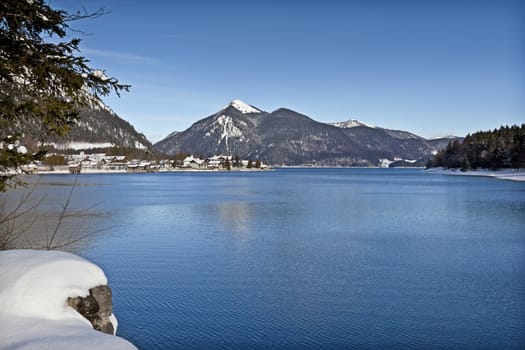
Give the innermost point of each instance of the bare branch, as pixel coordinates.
(85, 14)
(78, 239)
(62, 215)
(12, 227)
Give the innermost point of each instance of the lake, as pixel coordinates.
(307, 258)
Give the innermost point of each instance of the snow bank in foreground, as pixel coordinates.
(34, 314)
(507, 174)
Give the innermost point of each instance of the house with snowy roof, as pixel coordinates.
(194, 163)
(216, 162)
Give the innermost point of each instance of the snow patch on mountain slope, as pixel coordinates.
(446, 137)
(352, 123)
(228, 128)
(139, 145)
(225, 126)
(77, 146)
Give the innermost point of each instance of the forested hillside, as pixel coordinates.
(497, 149)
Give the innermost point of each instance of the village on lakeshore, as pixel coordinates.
(102, 163)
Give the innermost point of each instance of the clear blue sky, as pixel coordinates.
(432, 67)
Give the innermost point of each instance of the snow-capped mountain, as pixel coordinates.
(232, 130)
(287, 137)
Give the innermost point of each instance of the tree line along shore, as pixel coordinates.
(502, 148)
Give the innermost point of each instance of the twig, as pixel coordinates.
(62, 215)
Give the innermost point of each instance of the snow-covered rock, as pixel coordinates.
(97, 307)
(34, 311)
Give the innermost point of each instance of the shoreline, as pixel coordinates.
(124, 171)
(502, 174)
(63, 171)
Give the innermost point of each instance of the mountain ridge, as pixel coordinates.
(287, 137)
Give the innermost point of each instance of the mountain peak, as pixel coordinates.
(351, 123)
(243, 107)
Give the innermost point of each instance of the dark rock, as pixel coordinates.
(96, 307)
(102, 295)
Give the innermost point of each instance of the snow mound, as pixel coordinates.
(34, 287)
(242, 107)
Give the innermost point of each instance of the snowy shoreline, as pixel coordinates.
(233, 170)
(123, 171)
(505, 174)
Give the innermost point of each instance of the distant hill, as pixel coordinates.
(102, 127)
(286, 137)
(98, 127)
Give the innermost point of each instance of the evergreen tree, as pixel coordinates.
(500, 148)
(250, 164)
(43, 80)
(258, 164)
(227, 165)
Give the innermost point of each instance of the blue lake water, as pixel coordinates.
(309, 259)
